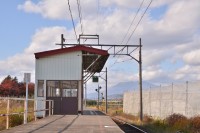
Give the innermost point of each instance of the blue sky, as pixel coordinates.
(17, 27)
(169, 31)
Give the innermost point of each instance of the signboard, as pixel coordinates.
(95, 79)
(27, 77)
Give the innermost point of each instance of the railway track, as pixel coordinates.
(126, 127)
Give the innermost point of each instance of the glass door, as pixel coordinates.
(65, 96)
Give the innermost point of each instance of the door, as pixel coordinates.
(64, 94)
(69, 100)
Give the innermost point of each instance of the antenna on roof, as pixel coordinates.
(62, 40)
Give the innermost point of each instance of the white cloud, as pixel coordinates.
(192, 57)
(152, 74)
(45, 39)
(42, 40)
(187, 73)
(155, 56)
(29, 6)
(182, 16)
(47, 8)
(174, 37)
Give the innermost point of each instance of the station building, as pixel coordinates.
(59, 76)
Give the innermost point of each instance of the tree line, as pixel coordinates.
(10, 87)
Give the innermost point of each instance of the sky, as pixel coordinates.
(170, 33)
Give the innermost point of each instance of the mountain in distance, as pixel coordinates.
(118, 90)
(122, 87)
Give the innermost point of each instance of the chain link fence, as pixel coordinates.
(164, 100)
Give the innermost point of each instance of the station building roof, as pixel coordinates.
(93, 59)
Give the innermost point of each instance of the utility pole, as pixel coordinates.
(106, 92)
(140, 80)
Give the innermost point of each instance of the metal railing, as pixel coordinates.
(8, 113)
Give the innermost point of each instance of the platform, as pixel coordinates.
(90, 122)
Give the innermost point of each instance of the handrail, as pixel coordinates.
(50, 108)
(12, 98)
(24, 112)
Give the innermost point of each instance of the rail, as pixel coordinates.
(7, 114)
(124, 122)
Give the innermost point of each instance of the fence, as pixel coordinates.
(165, 100)
(8, 113)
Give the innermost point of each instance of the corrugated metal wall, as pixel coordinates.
(60, 67)
(66, 66)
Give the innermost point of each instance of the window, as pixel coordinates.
(63, 88)
(69, 93)
(53, 89)
(40, 88)
(69, 88)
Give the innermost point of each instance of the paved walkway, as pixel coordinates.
(91, 122)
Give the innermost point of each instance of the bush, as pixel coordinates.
(177, 121)
(147, 119)
(195, 123)
(16, 120)
(91, 102)
(2, 123)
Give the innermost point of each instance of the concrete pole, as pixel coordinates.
(140, 81)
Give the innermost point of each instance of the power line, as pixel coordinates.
(130, 27)
(80, 14)
(132, 21)
(97, 15)
(139, 22)
(134, 29)
(72, 21)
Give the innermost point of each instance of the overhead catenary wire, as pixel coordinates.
(135, 27)
(97, 24)
(80, 15)
(132, 21)
(139, 22)
(72, 21)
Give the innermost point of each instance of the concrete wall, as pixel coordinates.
(163, 101)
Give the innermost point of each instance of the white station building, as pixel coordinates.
(59, 76)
